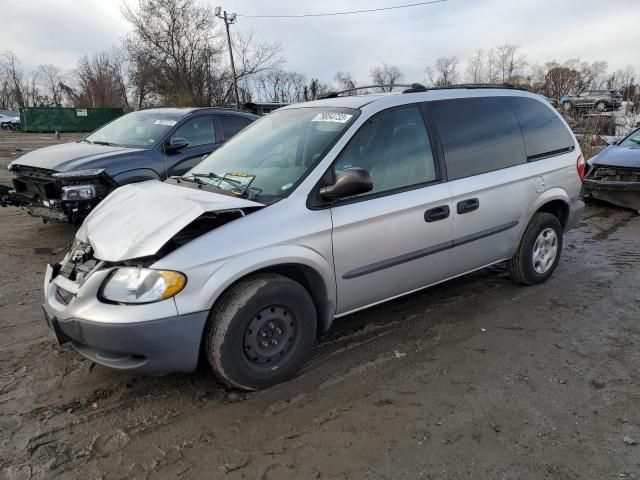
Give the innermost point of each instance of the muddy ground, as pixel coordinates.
(476, 378)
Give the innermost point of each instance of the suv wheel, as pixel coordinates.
(539, 250)
(601, 106)
(567, 106)
(260, 332)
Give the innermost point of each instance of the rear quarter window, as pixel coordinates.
(544, 133)
(478, 135)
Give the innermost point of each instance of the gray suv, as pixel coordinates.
(313, 212)
(600, 100)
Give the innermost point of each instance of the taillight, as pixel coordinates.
(581, 165)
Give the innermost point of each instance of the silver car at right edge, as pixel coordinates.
(313, 212)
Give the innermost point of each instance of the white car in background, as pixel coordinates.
(8, 122)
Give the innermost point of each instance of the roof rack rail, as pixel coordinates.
(366, 87)
(477, 85)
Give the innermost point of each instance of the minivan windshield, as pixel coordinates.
(134, 130)
(272, 155)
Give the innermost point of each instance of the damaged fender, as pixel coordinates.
(215, 279)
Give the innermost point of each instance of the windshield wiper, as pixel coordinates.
(192, 178)
(215, 176)
(240, 189)
(108, 144)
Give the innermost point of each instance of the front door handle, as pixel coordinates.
(436, 213)
(468, 205)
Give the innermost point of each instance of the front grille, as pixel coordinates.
(36, 182)
(616, 174)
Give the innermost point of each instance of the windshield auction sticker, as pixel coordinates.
(168, 123)
(332, 117)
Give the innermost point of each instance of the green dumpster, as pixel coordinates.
(59, 119)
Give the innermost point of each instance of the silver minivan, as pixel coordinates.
(311, 213)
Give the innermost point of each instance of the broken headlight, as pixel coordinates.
(78, 192)
(142, 285)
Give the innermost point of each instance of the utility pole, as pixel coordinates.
(228, 20)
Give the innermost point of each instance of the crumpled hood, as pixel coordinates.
(73, 156)
(137, 220)
(615, 156)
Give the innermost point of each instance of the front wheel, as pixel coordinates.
(601, 106)
(260, 332)
(539, 250)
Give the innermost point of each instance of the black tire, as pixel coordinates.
(521, 266)
(567, 106)
(232, 338)
(601, 106)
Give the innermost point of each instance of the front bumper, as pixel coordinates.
(149, 339)
(624, 194)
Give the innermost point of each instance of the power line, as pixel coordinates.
(345, 13)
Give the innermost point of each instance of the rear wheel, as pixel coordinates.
(567, 106)
(260, 332)
(601, 106)
(539, 250)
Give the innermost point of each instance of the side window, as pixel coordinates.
(544, 133)
(394, 147)
(478, 135)
(197, 131)
(232, 124)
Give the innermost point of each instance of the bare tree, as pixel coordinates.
(315, 90)
(476, 67)
(385, 75)
(50, 78)
(344, 80)
(444, 71)
(253, 58)
(177, 40)
(98, 82)
(510, 62)
(560, 80)
(277, 85)
(176, 52)
(15, 81)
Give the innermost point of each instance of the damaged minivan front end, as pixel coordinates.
(108, 298)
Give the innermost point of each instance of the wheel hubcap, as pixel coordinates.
(269, 336)
(545, 250)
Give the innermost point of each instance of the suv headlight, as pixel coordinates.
(142, 285)
(78, 192)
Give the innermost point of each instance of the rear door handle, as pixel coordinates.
(436, 213)
(468, 205)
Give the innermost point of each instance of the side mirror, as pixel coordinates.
(351, 181)
(176, 143)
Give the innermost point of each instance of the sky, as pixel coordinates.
(60, 31)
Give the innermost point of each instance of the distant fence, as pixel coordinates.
(58, 119)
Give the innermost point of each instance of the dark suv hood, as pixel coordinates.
(615, 156)
(73, 156)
